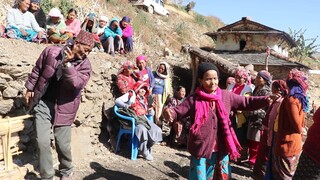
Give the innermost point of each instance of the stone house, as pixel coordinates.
(247, 42)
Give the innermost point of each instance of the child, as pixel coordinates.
(144, 74)
(127, 33)
(73, 24)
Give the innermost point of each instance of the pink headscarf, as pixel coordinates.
(141, 58)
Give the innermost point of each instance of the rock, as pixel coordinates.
(5, 76)
(10, 92)
(17, 85)
(5, 106)
(3, 84)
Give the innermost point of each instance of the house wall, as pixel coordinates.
(253, 43)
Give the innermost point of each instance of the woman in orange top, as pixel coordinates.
(291, 119)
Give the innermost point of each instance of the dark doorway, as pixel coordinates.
(242, 44)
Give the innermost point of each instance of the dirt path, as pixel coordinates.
(97, 162)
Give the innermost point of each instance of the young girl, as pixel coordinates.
(144, 74)
(162, 89)
(73, 24)
(211, 136)
(147, 132)
(127, 33)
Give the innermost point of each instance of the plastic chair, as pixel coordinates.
(134, 140)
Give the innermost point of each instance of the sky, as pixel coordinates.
(277, 14)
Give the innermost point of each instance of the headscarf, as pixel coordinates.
(126, 19)
(266, 76)
(281, 86)
(140, 84)
(242, 72)
(141, 58)
(86, 38)
(35, 1)
(231, 80)
(297, 83)
(126, 65)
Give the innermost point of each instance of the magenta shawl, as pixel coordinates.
(202, 110)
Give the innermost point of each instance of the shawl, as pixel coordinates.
(202, 108)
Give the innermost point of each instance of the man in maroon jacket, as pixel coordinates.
(53, 92)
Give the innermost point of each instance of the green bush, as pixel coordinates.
(63, 5)
(46, 5)
(204, 20)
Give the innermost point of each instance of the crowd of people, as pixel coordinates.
(26, 20)
(256, 120)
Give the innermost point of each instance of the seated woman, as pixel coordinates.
(180, 128)
(38, 13)
(113, 38)
(21, 24)
(72, 23)
(147, 132)
(125, 81)
(127, 33)
(56, 27)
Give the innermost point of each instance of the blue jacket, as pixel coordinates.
(111, 32)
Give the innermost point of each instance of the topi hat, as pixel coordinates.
(86, 38)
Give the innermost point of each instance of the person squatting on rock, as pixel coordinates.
(53, 92)
(212, 139)
(146, 131)
(112, 39)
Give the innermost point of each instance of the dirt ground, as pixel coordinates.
(98, 162)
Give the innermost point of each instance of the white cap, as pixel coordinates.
(103, 18)
(55, 12)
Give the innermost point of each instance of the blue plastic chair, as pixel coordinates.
(134, 140)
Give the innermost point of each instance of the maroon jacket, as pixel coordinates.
(210, 132)
(71, 83)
